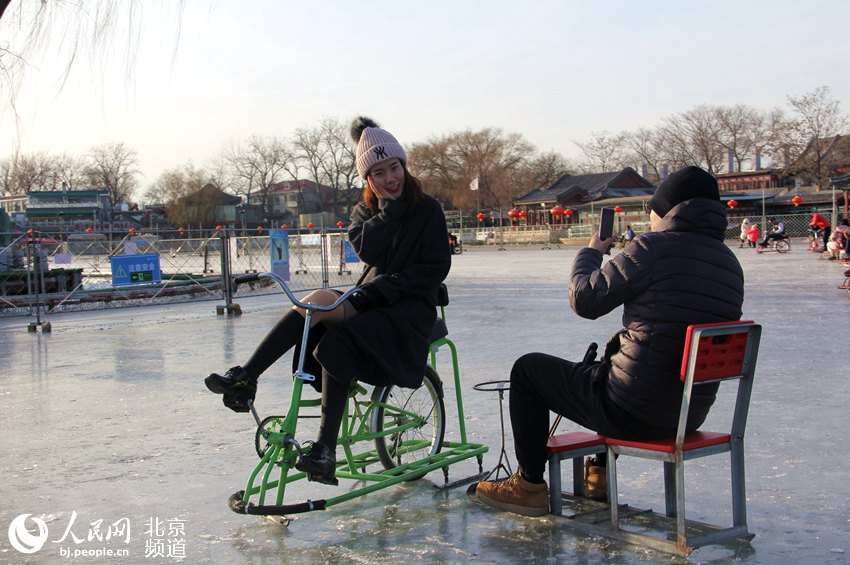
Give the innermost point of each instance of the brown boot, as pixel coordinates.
(515, 495)
(595, 481)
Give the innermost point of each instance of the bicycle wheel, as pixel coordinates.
(782, 246)
(399, 406)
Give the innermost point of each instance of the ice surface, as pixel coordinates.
(108, 418)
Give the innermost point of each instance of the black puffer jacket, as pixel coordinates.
(681, 274)
(406, 251)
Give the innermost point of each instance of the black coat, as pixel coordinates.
(406, 253)
(681, 274)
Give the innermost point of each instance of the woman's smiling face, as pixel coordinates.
(387, 179)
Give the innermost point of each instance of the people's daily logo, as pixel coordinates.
(22, 539)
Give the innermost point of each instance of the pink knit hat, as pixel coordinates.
(374, 145)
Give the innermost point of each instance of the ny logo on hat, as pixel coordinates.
(380, 152)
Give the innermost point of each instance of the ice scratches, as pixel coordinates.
(449, 548)
(136, 458)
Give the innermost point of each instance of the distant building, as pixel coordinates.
(68, 210)
(211, 206)
(751, 181)
(581, 193)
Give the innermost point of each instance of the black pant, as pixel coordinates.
(771, 235)
(542, 383)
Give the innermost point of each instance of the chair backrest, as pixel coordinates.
(716, 352)
(715, 356)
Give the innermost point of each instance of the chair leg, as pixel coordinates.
(613, 496)
(555, 502)
(739, 489)
(669, 488)
(679, 464)
(578, 476)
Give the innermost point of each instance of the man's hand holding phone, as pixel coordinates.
(603, 239)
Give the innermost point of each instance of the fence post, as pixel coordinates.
(35, 285)
(226, 277)
(342, 267)
(326, 248)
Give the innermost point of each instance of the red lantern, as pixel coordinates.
(568, 212)
(284, 226)
(310, 225)
(29, 232)
(523, 214)
(89, 230)
(339, 224)
(219, 228)
(260, 229)
(132, 231)
(732, 203)
(181, 230)
(557, 211)
(480, 216)
(513, 214)
(797, 201)
(617, 210)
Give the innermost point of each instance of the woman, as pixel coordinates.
(381, 333)
(745, 231)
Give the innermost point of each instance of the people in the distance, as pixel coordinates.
(380, 335)
(745, 231)
(678, 274)
(837, 243)
(775, 231)
(629, 235)
(821, 224)
(753, 235)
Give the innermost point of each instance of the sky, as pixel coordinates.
(552, 71)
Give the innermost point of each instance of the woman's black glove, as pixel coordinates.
(360, 301)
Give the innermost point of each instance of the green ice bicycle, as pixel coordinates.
(388, 436)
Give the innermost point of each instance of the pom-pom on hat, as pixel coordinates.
(684, 184)
(374, 145)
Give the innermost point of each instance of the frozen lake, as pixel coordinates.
(107, 429)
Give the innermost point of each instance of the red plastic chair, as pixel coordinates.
(713, 352)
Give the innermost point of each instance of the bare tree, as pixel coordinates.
(738, 127)
(175, 189)
(693, 138)
(69, 172)
(338, 165)
(543, 170)
(257, 166)
(113, 167)
(645, 149)
(820, 121)
(448, 164)
(604, 152)
(27, 172)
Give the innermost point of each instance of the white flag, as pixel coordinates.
(474, 184)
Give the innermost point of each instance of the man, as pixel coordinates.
(777, 231)
(680, 273)
(821, 224)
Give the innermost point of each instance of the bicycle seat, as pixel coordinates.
(439, 330)
(443, 295)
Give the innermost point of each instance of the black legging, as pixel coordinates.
(543, 383)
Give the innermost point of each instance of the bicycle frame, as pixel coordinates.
(358, 426)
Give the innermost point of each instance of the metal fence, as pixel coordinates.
(42, 272)
(796, 225)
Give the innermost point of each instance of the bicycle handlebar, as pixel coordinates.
(311, 306)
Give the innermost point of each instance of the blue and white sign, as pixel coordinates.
(135, 269)
(348, 252)
(279, 252)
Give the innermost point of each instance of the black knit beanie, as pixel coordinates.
(684, 184)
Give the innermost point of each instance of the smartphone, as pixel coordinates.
(606, 223)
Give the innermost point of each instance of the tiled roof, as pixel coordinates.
(586, 188)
